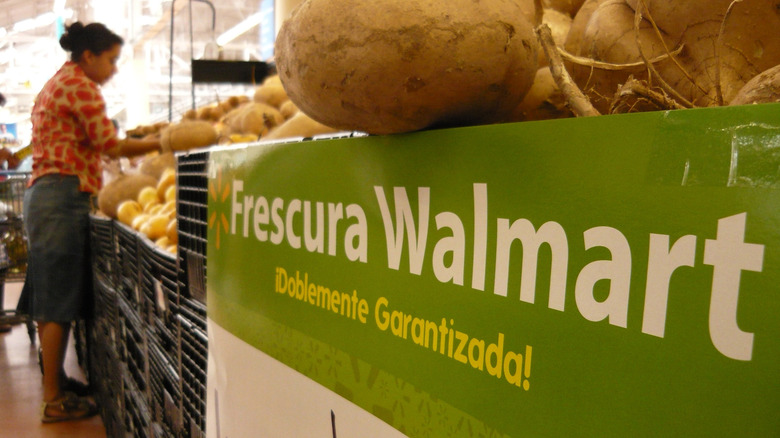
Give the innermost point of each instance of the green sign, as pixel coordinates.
(609, 276)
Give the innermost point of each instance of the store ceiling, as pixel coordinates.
(30, 51)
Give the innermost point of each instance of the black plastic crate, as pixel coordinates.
(192, 276)
(194, 363)
(159, 430)
(165, 394)
(106, 379)
(106, 310)
(166, 339)
(194, 312)
(159, 283)
(192, 214)
(103, 246)
(133, 350)
(128, 269)
(137, 416)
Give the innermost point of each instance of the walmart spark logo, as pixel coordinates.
(219, 193)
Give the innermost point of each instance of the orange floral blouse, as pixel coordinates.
(70, 128)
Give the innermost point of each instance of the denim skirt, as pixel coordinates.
(59, 270)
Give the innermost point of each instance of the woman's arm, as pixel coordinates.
(7, 156)
(131, 147)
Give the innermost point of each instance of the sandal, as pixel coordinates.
(72, 385)
(68, 408)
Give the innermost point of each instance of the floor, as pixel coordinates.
(20, 386)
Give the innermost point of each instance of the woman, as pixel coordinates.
(71, 132)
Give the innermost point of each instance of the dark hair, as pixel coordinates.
(95, 37)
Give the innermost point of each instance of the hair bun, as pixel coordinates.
(72, 34)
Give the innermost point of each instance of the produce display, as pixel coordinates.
(152, 211)
(685, 54)
(386, 67)
(433, 64)
(422, 65)
(144, 195)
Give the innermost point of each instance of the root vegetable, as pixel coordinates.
(299, 125)
(170, 194)
(569, 7)
(155, 165)
(124, 187)
(155, 227)
(288, 109)
(543, 101)
(559, 23)
(147, 196)
(253, 118)
(386, 66)
(764, 88)
(727, 43)
(127, 211)
(696, 52)
(609, 36)
(172, 231)
(190, 134)
(271, 92)
(139, 220)
(167, 179)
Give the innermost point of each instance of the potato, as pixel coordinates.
(253, 118)
(386, 66)
(190, 114)
(270, 93)
(226, 106)
(764, 88)
(579, 24)
(204, 113)
(187, 135)
(559, 23)
(609, 36)
(272, 80)
(569, 7)
(749, 44)
(155, 165)
(717, 57)
(124, 187)
(300, 125)
(288, 109)
(543, 101)
(234, 101)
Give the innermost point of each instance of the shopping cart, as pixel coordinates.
(13, 242)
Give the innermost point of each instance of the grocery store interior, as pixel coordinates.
(153, 84)
(456, 218)
(154, 60)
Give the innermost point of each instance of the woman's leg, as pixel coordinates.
(54, 341)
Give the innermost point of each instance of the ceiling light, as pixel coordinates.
(42, 20)
(235, 31)
(59, 7)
